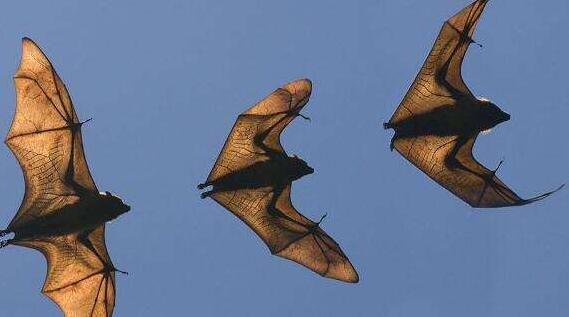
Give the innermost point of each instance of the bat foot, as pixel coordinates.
(4, 233)
(387, 125)
(203, 185)
(205, 194)
(4, 243)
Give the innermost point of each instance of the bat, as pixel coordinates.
(439, 120)
(62, 214)
(252, 178)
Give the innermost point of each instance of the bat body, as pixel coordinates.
(87, 213)
(439, 120)
(62, 214)
(252, 178)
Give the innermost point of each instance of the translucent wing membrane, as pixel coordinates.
(439, 82)
(45, 137)
(80, 277)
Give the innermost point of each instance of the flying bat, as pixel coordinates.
(62, 214)
(439, 120)
(252, 178)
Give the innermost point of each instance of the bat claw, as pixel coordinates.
(205, 195)
(202, 185)
(321, 218)
(474, 42)
(316, 225)
(497, 167)
(4, 243)
(117, 270)
(4, 233)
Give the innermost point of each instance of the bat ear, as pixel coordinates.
(108, 193)
(295, 156)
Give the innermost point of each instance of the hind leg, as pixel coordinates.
(206, 194)
(203, 185)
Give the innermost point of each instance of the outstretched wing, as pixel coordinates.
(439, 82)
(287, 233)
(267, 118)
(464, 176)
(45, 137)
(80, 275)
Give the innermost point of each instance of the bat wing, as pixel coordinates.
(439, 82)
(291, 235)
(45, 137)
(465, 176)
(267, 118)
(80, 275)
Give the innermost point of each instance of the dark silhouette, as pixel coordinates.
(252, 178)
(439, 119)
(62, 215)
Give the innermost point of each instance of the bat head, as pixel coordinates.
(299, 167)
(491, 115)
(113, 205)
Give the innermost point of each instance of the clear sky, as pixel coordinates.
(164, 83)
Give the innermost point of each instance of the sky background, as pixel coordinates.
(164, 84)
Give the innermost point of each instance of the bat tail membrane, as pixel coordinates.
(540, 197)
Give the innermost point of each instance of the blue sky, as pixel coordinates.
(164, 84)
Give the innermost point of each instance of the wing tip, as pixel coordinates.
(346, 274)
(29, 45)
(521, 202)
(26, 39)
(542, 196)
(465, 12)
(290, 96)
(303, 251)
(300, 91)
(30, 48)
